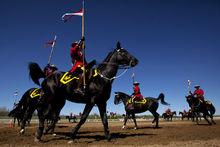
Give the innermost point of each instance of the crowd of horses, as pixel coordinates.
(50, 98)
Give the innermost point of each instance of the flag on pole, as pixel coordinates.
(189, 82)
(51, 43)
(67, 16)
(15, 93)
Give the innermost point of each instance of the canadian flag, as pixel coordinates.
(67, 16)
(51, 43)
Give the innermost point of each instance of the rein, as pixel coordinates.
(115, 77)
(119, 66)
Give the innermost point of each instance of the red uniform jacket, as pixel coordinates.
(199, 93)
(137, 93)
(76, 56)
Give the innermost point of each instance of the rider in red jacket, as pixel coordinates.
(76, 54)
(199, 93)
(168, 111)
(137, 93)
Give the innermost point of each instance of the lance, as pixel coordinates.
(132, 76)
(189, 84)
(15, 94)
(83, 45)
(52, 48)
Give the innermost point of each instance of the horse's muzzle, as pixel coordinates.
(134, 62)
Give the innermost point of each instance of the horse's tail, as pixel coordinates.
(161, 98)
(35, 72)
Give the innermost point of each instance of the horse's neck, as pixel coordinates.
(194, 100)
(125, 98)
(109, 68)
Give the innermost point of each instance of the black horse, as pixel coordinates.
(149, 103)
(184, 115)
(169, 116)
(17, 114)
(25, 108)
(58, 88)
(188, 115)
(71, 118)
(197, 106)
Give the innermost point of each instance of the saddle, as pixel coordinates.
(35, 93)
(131, 101)
(131, 104)
(68, 76)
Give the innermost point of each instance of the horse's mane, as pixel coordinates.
(107, 58)
(122, 93)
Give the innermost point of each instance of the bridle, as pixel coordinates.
(125, 67)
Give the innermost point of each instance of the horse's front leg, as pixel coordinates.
(23, 123)
(213, 122)
(19, 122)
(205, 117)
(135, 123)
(24, 120)
(40, 129)
(125, 120)
(83, 118)
(50, 128)
(197, 119)
(102, 111)
(15, 121)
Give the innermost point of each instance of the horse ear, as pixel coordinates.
(118, 45)
(116, 93)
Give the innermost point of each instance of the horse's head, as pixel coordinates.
(119, 97)
(123, 57)
(191, 100)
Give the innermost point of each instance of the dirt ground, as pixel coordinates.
(176, 133)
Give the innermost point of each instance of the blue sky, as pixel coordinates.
(174, 40)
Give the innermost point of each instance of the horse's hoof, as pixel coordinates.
(21, 131)
(36, 139)
(70, 142)
(108, 138)
(123, 127)
(54, 134)
(135, 128)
